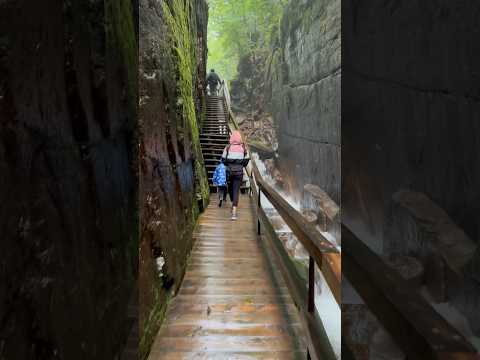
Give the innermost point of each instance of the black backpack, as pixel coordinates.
(237, 169)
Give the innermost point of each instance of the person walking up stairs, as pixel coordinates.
(235, 156)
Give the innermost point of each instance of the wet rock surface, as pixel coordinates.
(304, 92)
(409, 118)
(173, 183)
(410, 108)
(68, 187)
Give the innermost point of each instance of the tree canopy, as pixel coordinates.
(240, 27)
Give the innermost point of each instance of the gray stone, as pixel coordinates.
(305, 96)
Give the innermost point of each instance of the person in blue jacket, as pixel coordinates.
(220, 181)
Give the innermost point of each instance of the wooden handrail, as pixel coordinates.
(318, 344)
(411, 321)
(311, 239)
(321, 252)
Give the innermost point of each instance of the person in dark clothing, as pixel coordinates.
(235, 156)
(213, 80)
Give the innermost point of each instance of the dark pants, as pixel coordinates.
(213, 89)
(222, 193)
(235, 181)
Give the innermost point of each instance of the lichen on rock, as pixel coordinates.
(173, 180)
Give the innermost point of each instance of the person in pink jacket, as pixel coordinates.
(235, 157)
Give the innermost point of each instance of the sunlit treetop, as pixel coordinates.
(238, 27)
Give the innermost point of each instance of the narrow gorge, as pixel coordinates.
(410, 170)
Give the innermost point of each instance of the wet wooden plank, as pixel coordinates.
(266, 316)
(209, 311)
(226, 343)
(229, 306)
(236, 299)
(229, 330)
(233, 290)
(277, 355)
(223, 274)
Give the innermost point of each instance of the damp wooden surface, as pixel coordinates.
(232, 304)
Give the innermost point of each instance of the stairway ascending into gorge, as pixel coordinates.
(233, 302)
(214, 134)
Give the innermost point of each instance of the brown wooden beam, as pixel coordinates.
(411, 321)
(316, 245)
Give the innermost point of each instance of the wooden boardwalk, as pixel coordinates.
(232, 303)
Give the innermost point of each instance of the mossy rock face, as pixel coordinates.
(182, 25)
(154, 321)
(173, 178)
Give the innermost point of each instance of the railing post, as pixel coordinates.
(311, 285)
(259, 205)
(311, 291)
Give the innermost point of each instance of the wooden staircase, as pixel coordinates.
(214, 134)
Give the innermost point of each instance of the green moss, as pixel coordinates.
(182, 39)
(302, 268)
(155, 320)
(179, 20)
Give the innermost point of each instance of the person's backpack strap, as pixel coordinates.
(228, 150)
(244, 151)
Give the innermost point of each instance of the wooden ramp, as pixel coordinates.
(232, 303)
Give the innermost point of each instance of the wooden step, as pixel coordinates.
(214, 136)
(222, 140)
(223, 137)
(228, 344)
(207, 146)
(212, 155)
(212, 141)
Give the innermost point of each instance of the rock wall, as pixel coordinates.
(410, 117)
(173, 184)
(304, 76)
(411, 104)
(68, 186)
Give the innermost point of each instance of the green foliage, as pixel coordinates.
(240, 27)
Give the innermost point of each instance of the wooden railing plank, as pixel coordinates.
(413, 324)
(317, 339)
(324, 253)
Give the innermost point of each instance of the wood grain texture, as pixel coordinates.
(232, 304)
